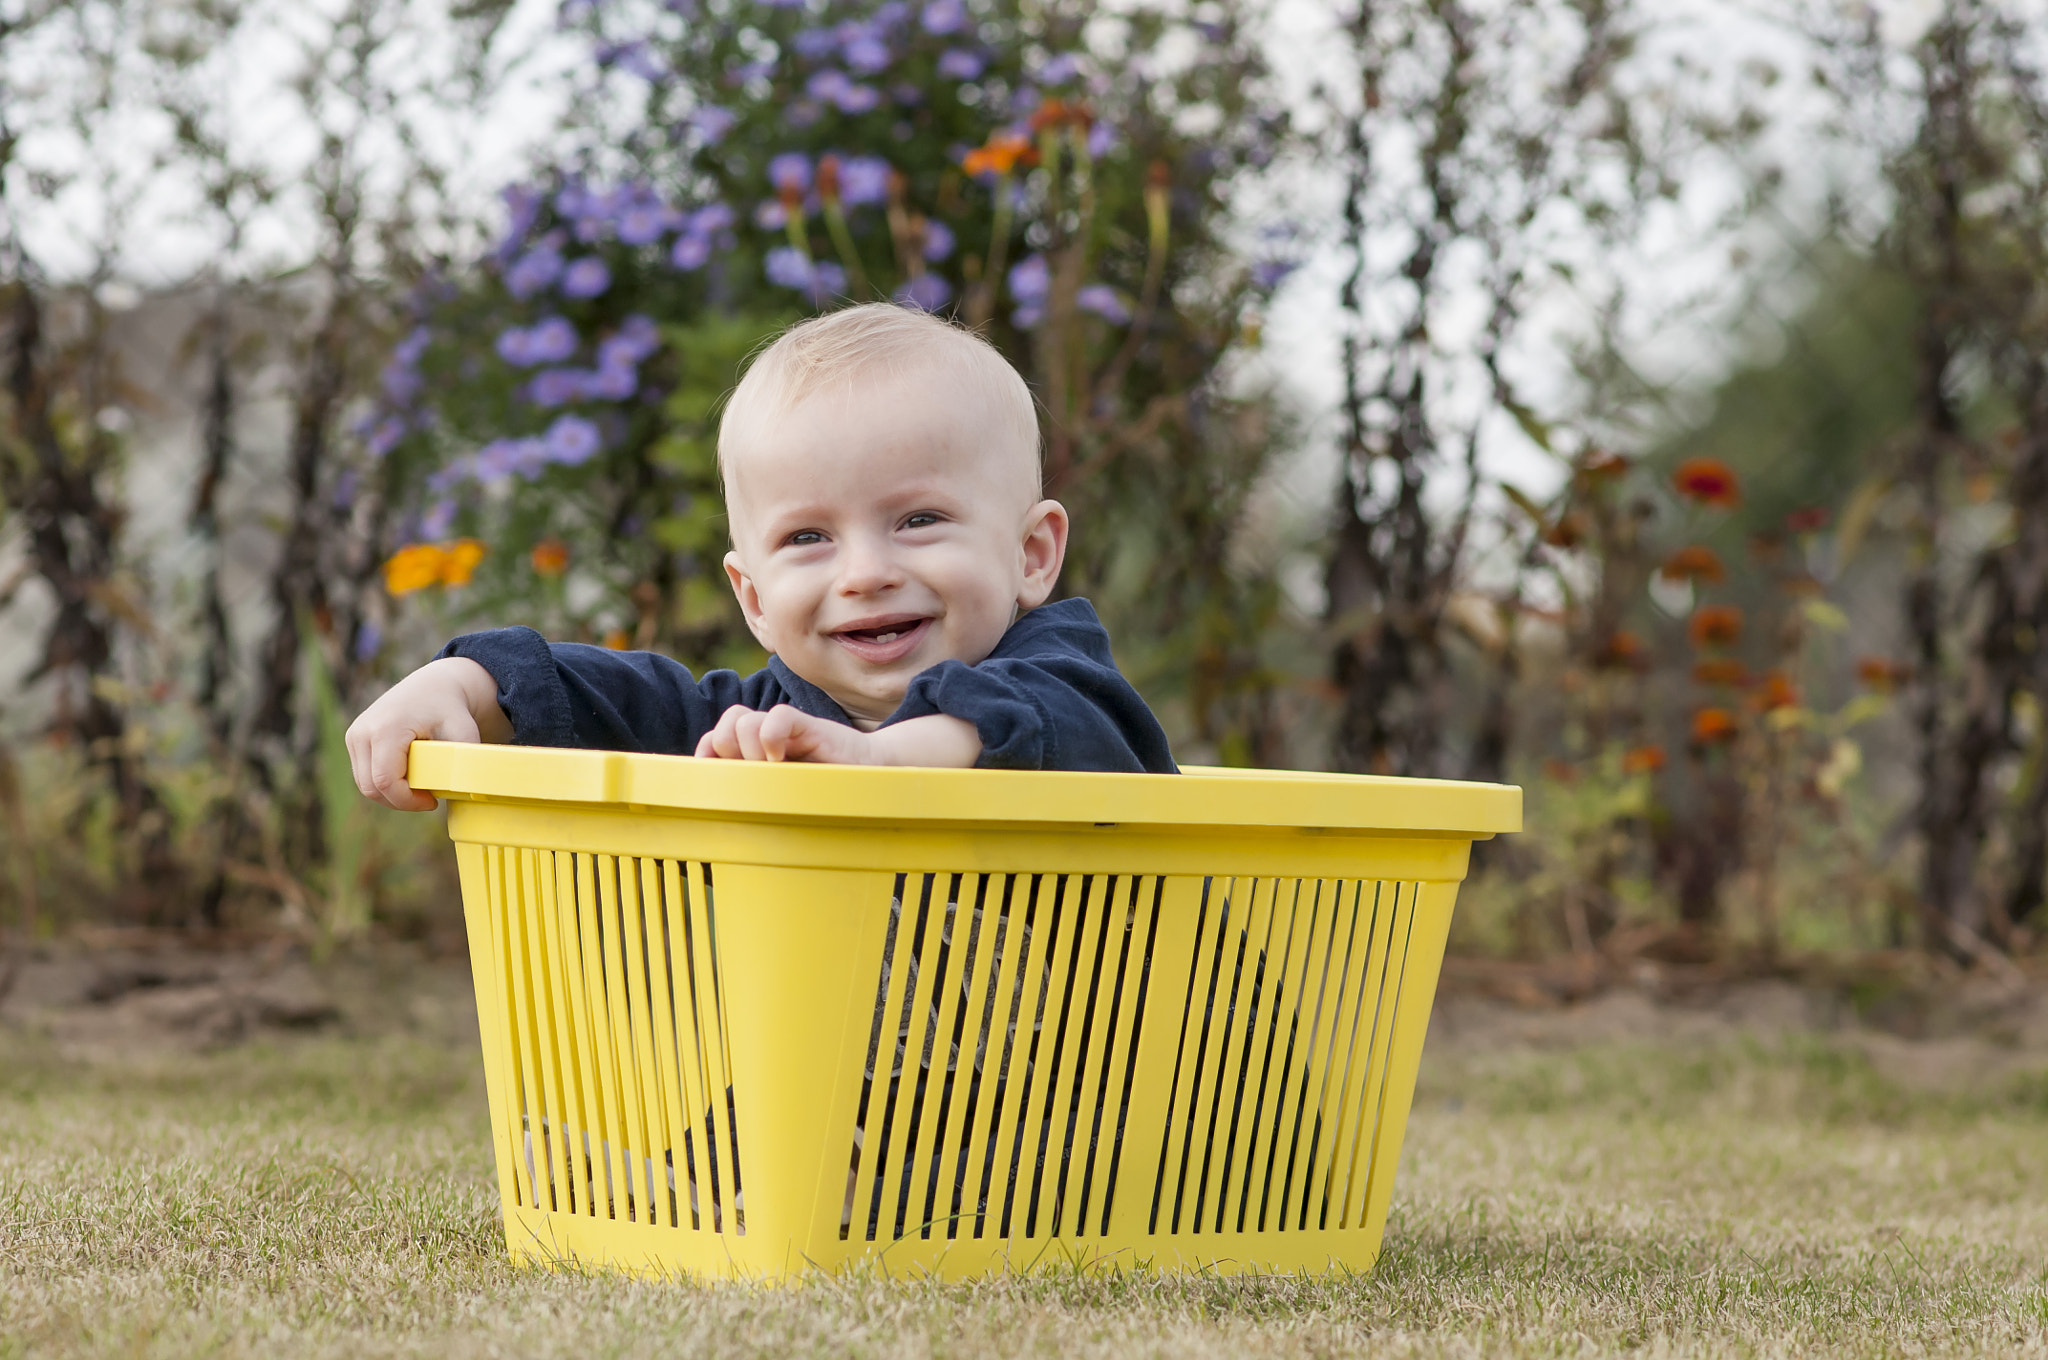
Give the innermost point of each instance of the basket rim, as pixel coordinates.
(1200, 796)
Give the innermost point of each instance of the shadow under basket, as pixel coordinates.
(746, 1020)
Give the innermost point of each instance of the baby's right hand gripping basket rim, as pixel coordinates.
(747, 1020)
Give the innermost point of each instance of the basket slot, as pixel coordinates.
(1273, 1111)
(619, 1093)
(1003, 1027)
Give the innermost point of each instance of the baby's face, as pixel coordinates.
(876, 533)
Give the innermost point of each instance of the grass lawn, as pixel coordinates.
(1712, 1197)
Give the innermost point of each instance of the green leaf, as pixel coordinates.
(1825, 615)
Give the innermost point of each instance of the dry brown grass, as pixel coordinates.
(1701, 1197)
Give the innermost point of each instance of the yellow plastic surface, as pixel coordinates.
(749, 1020)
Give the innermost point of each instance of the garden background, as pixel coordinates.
(1643, 403)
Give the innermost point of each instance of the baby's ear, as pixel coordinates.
(749, 598)
(1044, 549)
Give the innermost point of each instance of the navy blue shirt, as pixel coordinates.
(1049, 697)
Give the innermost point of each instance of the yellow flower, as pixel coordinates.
(458, 562)
(413, 567)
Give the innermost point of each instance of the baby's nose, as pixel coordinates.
(866, 566)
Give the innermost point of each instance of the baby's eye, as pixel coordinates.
(923, 519)
(804, 538)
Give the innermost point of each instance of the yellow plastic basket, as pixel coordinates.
(752, 1020)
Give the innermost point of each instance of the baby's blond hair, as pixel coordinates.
(878, 340)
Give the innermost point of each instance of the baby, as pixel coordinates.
(891, 550)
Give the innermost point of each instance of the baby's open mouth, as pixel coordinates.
(881, 641)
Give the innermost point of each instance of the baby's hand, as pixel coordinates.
(787, 733)
(453, 699)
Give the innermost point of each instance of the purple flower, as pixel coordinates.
(533, 271)
(944, 16)
(522, 208)
(552, 387)
(457, 472)
(572, 199)
(1102, 139)
(369, 640)
(410, 350)
(1030, 280)
(643, 223)
(858, 99)
(959, 64)
(862, 180)
(401, 382)
(549, 340)
(938, 241)
(790, 170)
(691, 251)
(385, 436)
(802, 113)
(711, 123)
(787, 268)
(926, 292)
(611, 382)
(1059, 70)
(783, 4)
(1102, 300)
(1269, 274)
(890, 13)
(713, 218)
(637, 337)
(439, 518)
(828, 281)
(586, 278)
(747, 72)
(908, 95)
(633, 57)
(1027, 318)
(829, 83)
(815, 44)
(867, 54)
(572, 440)
(771, 215)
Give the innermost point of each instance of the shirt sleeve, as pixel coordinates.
(1049, 698)
(572, 694)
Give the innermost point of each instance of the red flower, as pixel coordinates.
(1720, 670)
(1775, 692)
(1622, 651)
(1696, 562)
(1882, 675)
(1715, 625)
(1708, 481)
(550, 557)
(1600, 465)
(1711, 725)
(1643, 760)
(1568, 532)
(1811, 520)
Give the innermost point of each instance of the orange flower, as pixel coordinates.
(1622, 651)
(1776, 691)
(1710, 725)
(1720, 670)
(1695, 562)
(1810, 520)
(1643, 760)
(459, 559)
(998, 156)
(617, 640)
(413, 567)
(1882, 675)
(1708, 481)
(828, 178)
(550, 557)
(1715, 625)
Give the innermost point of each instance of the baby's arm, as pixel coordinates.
(453, 699)
(788, 733)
